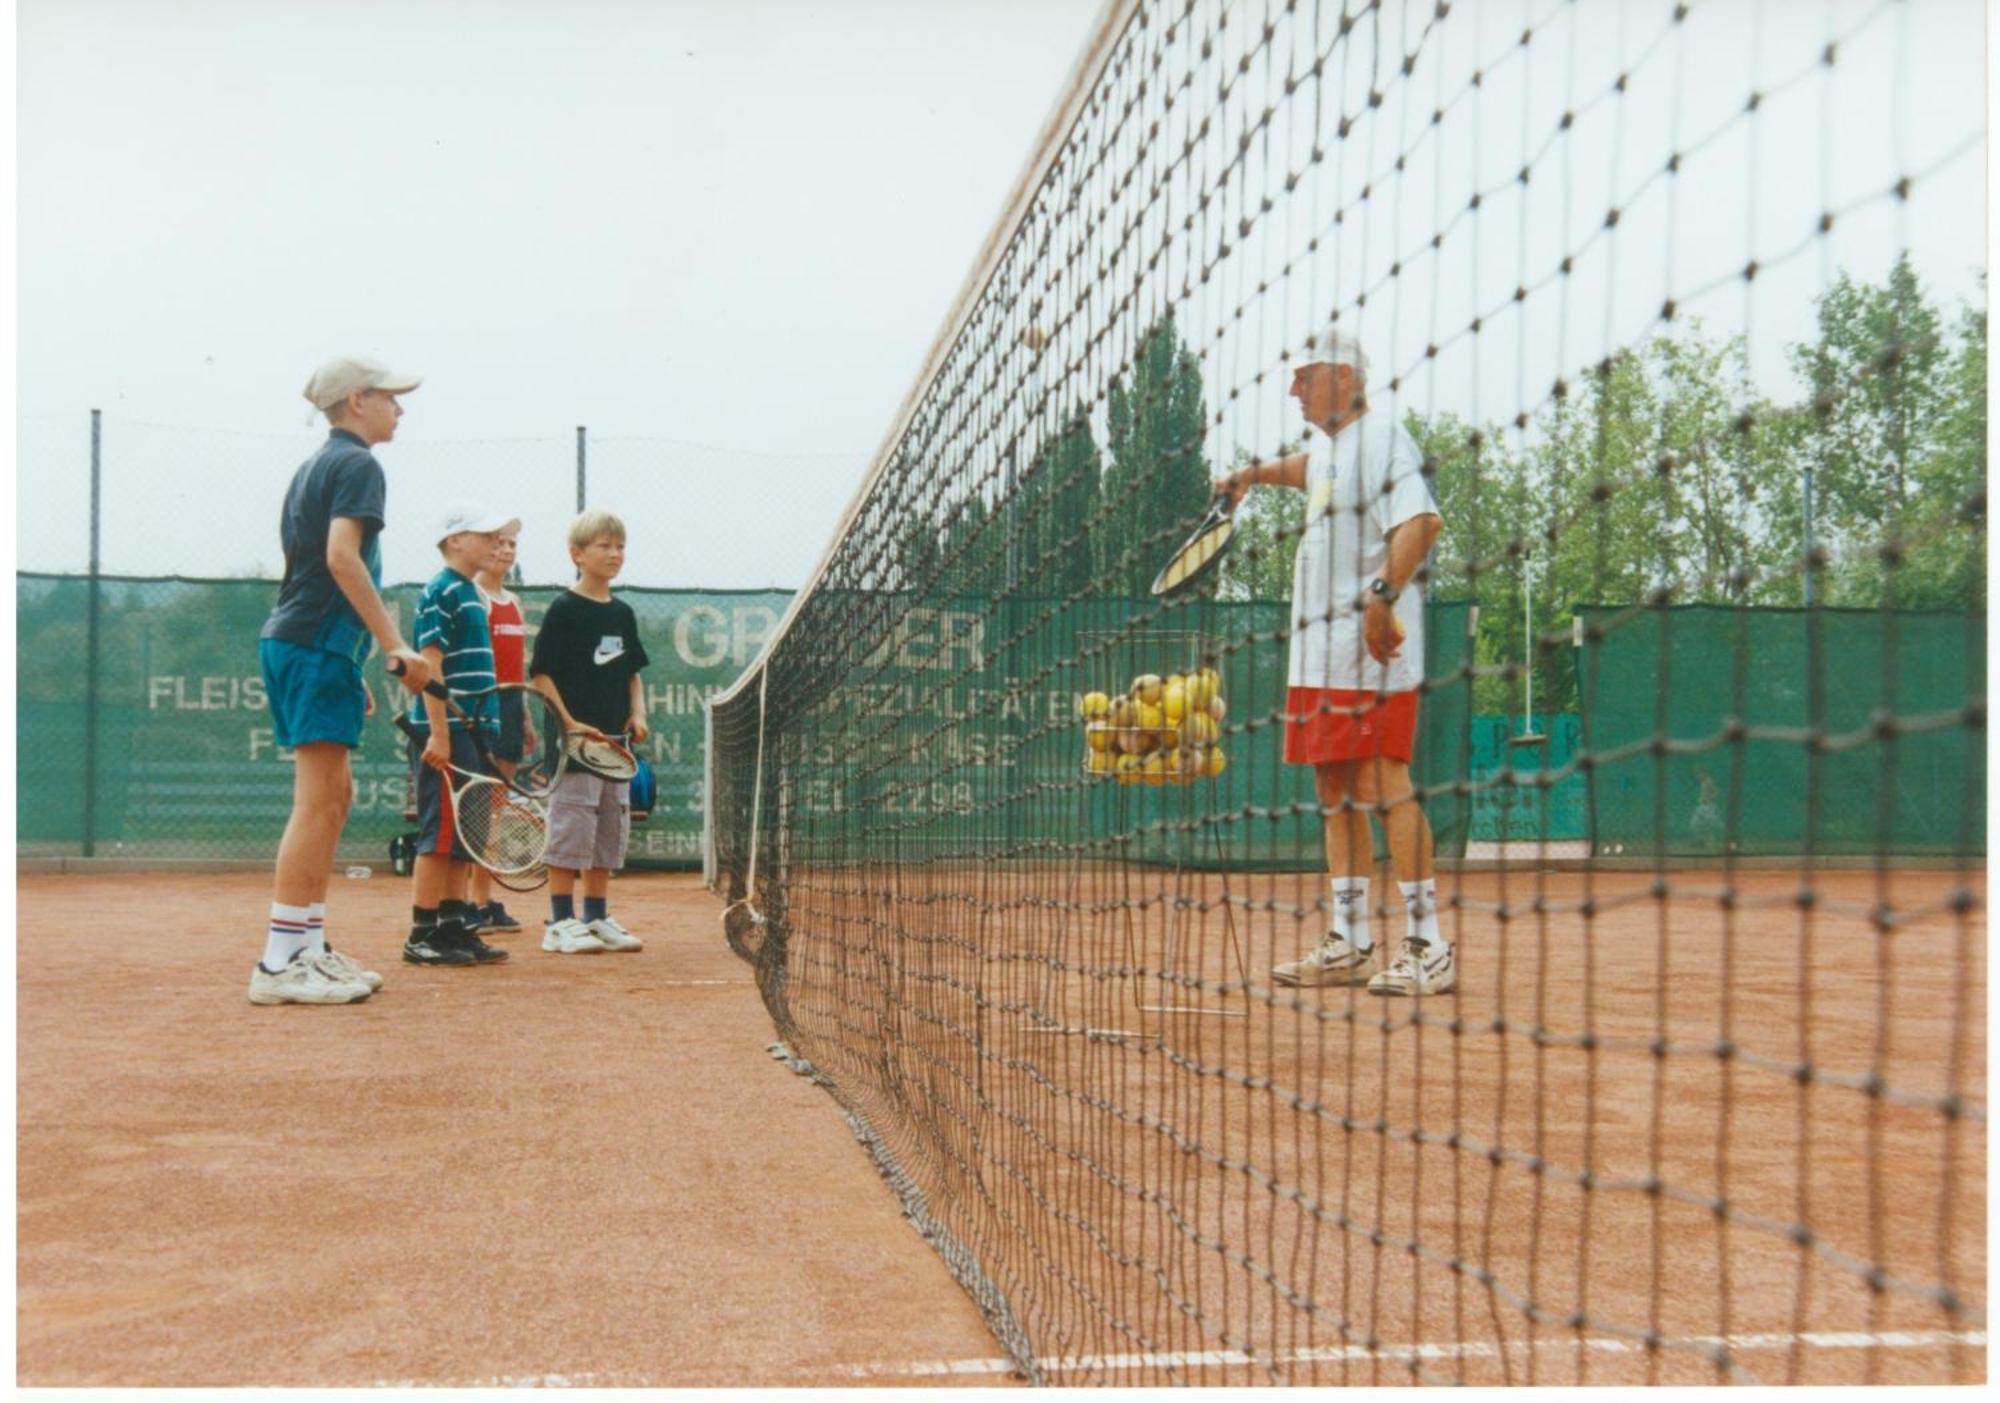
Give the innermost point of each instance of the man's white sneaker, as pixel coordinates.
(570, 937)
(614, 936)
(339, 966)
(1334, 962)
(1420, 967)
(303, 981)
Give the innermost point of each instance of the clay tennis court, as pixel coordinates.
(591, 1170)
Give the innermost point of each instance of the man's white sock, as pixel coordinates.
(1350, 911)
(290, 932)
(316, 919)
(1420, 903)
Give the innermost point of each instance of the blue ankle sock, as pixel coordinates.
(562, 908)
(596, 908)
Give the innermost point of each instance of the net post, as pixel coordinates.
(90, 668)
(580, 463)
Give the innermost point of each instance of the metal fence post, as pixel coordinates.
(579, 469)
(90, 697)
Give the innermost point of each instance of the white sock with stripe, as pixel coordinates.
(1350, 911)
(1420, 904)
(290, 932)
(316, 920)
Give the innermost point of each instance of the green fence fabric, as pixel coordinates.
(187, 766)
(1864, 731)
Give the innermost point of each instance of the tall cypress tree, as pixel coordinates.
(1158, 481)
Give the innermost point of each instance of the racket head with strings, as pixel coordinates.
(1200, 553)
(602, 755)
(517, 713)
(504, 832)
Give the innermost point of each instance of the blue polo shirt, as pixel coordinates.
(341, 479)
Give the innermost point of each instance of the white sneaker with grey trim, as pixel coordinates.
(1420, 967)
(303, 981)
(1334, 962)
(615, 936)
(570, 937)
(339, 966)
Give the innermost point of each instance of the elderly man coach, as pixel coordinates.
(1357, 660)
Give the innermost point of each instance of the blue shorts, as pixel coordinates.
(314, 695)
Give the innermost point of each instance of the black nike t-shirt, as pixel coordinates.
(591, 650)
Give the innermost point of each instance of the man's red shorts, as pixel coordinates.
(1323, 724)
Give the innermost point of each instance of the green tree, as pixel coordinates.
(1157, 483)
(1054, 508)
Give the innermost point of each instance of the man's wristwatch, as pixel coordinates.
(1381, 590)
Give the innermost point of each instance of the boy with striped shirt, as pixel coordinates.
(453, 636)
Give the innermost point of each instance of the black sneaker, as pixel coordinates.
(471, 917)
(434, 947)
(481, 951)
(495, 918)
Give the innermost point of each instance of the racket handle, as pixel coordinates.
(434, 687)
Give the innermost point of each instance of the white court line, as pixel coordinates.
(1894, 1339)
(1325, 1354)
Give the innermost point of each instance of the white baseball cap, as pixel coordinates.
(1332, 346)
(470, 516)
(343, 375)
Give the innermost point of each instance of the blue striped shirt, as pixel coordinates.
(451, 616)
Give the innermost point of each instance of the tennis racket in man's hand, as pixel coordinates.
(1202, 551)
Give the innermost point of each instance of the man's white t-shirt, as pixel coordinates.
(1360, 485)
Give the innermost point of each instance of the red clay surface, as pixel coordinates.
(560, 1168)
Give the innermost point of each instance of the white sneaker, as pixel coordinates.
(344, 967)
(303, 980)
(1334, 962)
(614, 936)
(570, 937)
(1420, 967)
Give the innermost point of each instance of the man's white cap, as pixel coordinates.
(343, 375)
(1332, 346)
(470, 516)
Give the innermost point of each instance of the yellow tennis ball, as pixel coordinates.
(1102, 762)
(1147, 687)
(1130, 740)
(1150, 717)
(1217, 763)
(1095, 705)
(1127, 769)
(1200, 690)
(1191, 761)
(1154, 769)
(1122, 711)
(1199, 729)
(1173, 701)
(1218, 709)
(1099, 737)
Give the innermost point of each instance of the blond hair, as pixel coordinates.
(592, 525)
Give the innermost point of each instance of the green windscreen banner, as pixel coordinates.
(186, 765)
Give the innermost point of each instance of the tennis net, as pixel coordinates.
(1663, 335)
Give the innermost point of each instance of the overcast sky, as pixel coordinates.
(733, 225)
(723, 236)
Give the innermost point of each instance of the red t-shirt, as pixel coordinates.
(510, 639)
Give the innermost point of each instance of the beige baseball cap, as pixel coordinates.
(470, 516)
(343, 375)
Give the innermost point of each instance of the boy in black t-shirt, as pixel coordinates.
(587, 661)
